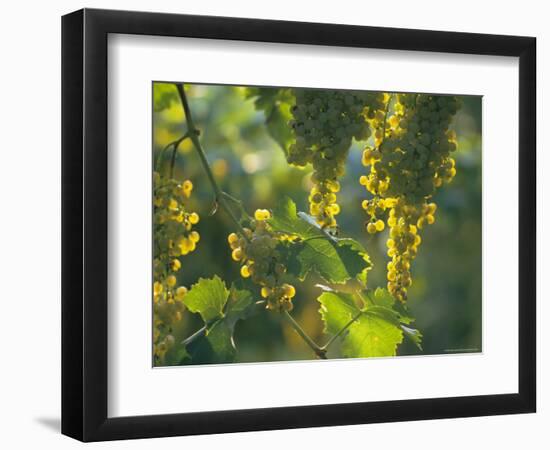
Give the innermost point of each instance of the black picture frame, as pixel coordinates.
(84, 224)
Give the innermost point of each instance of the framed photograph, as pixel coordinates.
(274, 225)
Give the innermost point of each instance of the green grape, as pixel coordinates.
(257, 251)
(410, 160)
(324, 123)
(174, 237)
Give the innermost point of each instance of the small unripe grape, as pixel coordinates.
(172, 205)
(171, 280)
(157, 288)
(317, 197)
(175, 265)
(237, 254)
(180, 293)
(194, 218)
(289, 290)
(262, 214)
(187, 187)
(371, 228)
(245, 273)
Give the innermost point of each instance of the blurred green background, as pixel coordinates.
(445, 296)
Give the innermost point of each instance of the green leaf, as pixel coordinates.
(353, 256)
(362, 277)
(337, 309)
(208, 298)
(164, 94)
(277, 125)
(285, 219)
(276, 104)
(215, 347)
(238, 305)
(404, 314)
(333, 263)
(414, 334)
(381, 297)
(385, 306)
(373, 333)
(176, 356)
(314, 250)
(388, 314)
(220, 337)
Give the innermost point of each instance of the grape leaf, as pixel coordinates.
(221, 309)
(337, 309)
(404, 314)
(276, 104)
(314, 250)
(238, 305)
(381, 297)
(215, 346)
(285, 219)
(414, 334)
(370, 335)
(376, 331)
(385, 306)
(334, 263)
(164, 94)
(208, 298)
(176, 356)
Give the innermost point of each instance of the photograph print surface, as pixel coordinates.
(307, 224)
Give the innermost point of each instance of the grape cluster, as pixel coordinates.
(173, 237)
(409, 161)
(324, 123)
(257, 251)
(405, 220)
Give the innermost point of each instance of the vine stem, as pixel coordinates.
(319, 351)
(201, 331)
(193, 134)
(175, 144)
(194, 336)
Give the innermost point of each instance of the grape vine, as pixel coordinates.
(407, 142)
